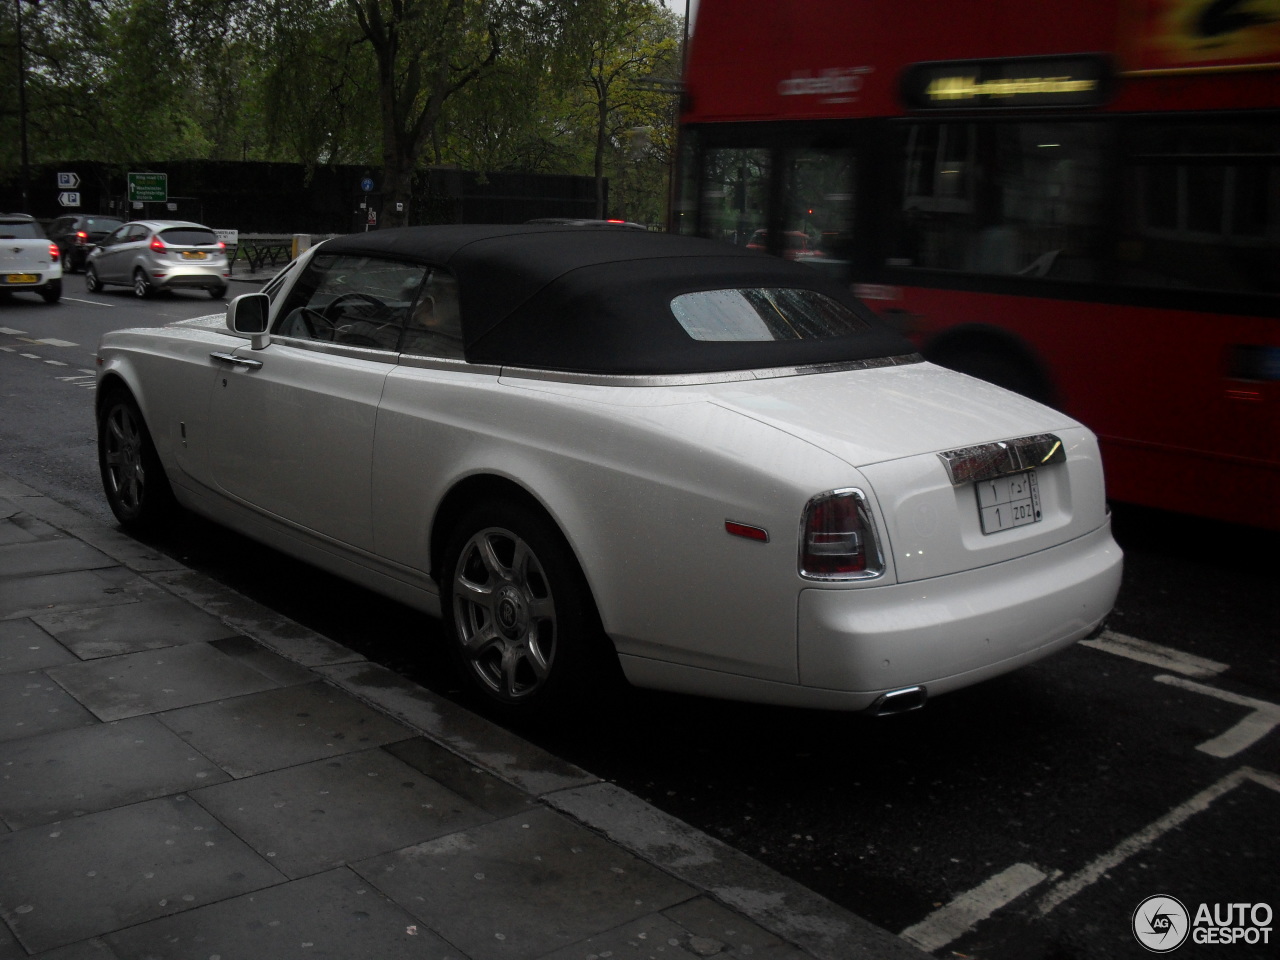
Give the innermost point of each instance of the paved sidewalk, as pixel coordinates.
(186, 774)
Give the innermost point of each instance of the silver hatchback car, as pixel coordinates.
(151, 255)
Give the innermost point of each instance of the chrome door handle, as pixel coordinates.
(235, 361)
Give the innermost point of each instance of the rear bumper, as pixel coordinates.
(952, 631)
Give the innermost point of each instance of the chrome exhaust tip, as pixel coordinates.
(898, 701)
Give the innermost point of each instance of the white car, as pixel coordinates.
(586, 448)
(29, 261)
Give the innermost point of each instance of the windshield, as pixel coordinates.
(22, 230)
(188, 237)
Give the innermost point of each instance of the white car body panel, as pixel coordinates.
(342, 456)
(24, 257)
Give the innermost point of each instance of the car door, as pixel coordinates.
(292, 425)
(112, 258)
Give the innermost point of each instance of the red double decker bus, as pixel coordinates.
(1079, 201)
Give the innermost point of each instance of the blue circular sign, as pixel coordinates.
(366, 185)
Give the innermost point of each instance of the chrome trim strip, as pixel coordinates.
(447, 363)
(337, 349)
(719, 376)
(986, 461)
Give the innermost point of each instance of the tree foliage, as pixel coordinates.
(540, 86)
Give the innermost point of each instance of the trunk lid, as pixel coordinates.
(891, 423)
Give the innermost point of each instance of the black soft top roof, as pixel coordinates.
(597, 300)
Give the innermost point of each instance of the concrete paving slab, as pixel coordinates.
(32, 704)
(94, 949)
(713, 926)
(83, 878)
(24, 646)
(320, 815)
(111, 631)
(490, 746)
(281, 728)
(10, 949)
(520, 887)
(287, 638)
(76, 772)
(11, 532)
(331, 916)
(50, 556)
(158, 680)
(29, 596)
(461, 776)
(270, 665)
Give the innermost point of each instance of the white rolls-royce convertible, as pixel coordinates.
(587, 448)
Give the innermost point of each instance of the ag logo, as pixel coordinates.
(1161, 924)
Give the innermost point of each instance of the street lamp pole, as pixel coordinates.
(22, 105)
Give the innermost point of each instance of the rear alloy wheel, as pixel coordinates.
(141, 285)
(219, 292)
(91, 281)
(52, 291)
(521, 623)
(132, 478)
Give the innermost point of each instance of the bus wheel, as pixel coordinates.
(998, 365)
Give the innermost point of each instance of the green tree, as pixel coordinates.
(627, 45)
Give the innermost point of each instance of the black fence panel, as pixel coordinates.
(284, 198)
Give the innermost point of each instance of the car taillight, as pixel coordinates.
(838, 539)
(222, 246)
(81, 237)
(54, 253)
(157, 245)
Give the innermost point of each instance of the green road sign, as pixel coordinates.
(148, 187)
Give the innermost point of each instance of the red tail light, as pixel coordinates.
(54, 253)
(838, 540)
(81, 237)
(157, 245)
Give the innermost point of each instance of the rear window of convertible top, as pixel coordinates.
(764, 314)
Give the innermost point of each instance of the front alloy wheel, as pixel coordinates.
(132, 477)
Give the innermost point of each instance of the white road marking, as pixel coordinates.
(31, 356)
(1256, 725)
(12, 332)
(1166, 658)
(55, 363)
(958, 917)
(1064, 891)
(56, 343)
(92, 303)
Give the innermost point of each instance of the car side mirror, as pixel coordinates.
(250, 313)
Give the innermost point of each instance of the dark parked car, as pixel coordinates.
(75, 234)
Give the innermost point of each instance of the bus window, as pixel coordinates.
(735, 194)
(1001, 198)
(818, 229)
(1201, 207)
